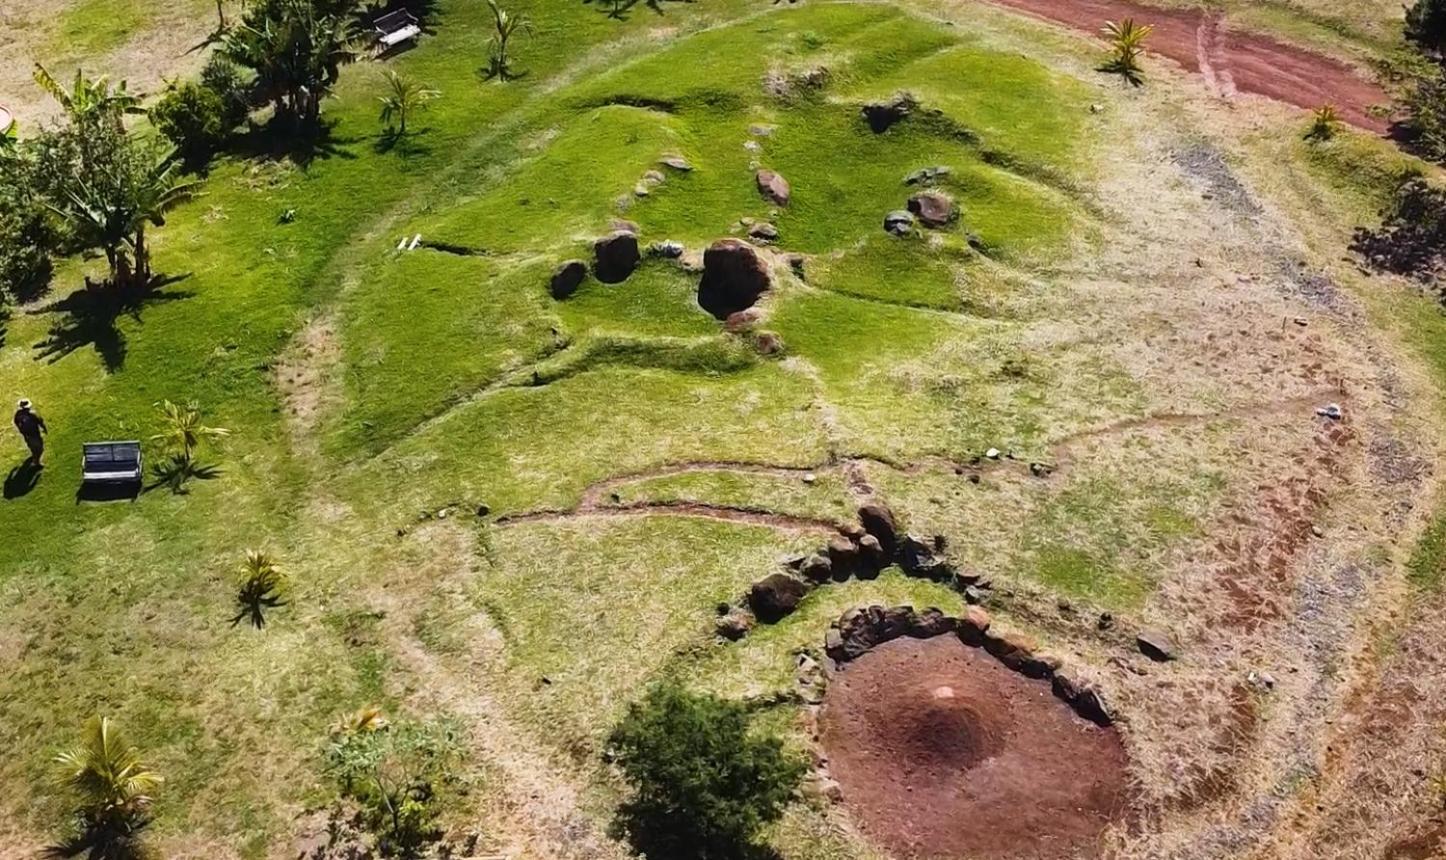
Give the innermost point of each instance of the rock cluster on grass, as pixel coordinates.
(933, 208)
(734, 277)
(927, 175)
(773, 187)
(882, 115)
(616, 256)
(567, 278)
(859, 631)
(900, 222)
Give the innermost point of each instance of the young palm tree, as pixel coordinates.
(504, 26)
(184, 431)
(405, 98)
(88, 99)
(111, 785)
(262, 585)
(1323, 123)
(1127, 43)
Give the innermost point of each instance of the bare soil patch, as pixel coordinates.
(1230, 61)
(942, 751)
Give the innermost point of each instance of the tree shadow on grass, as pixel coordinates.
(283, 141)
(177, 472)
(88, 318)
(21, 480)
(103, 841)
(404, 145)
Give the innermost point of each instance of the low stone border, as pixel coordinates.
(859, 631)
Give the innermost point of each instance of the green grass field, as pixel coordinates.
(443, 382)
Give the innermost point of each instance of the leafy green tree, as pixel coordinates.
(403, 99)
(112, 788)
(223, 77)
(193, 118)
(504, 26)
(261, 586)
(90, 99)
(1127, 44)
(1426, 27)
(296, 49)
(394, 770)
(28, 238)
(108, 188)
(703, 785)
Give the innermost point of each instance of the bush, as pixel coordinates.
(1411, 240)
(1426, 26)
(703, 787)
(223, 77)
(394, 771)
(27, 232)
(192, 117)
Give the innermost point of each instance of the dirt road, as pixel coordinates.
(1230, 61)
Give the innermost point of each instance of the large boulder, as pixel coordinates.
(1073, 687)
(918, 557)
(773, 187)
(775, 596)
(974, 626)
(881, 115)
(878, 520)
(567, 278)
(617, 256)
(845, 557)
(933, 208)
(1158, 645)
(734, 276)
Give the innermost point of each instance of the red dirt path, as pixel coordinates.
(1229, 61)
(943, 752)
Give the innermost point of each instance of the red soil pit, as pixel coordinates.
(1230, 60)
(943, 752)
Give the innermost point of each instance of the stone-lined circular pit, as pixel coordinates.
(942, 751)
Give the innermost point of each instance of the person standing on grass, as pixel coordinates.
(31, 426)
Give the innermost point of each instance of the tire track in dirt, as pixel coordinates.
(1229, 61)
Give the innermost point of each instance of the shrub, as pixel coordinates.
(28, 237)
(223, 77)
(703, 786)
(1324, 121)
(193, 118)
(394, 771)
(1424, 99)
(1411, 240)
(1426, 26)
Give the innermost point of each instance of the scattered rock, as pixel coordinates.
(973, 625)
(1014, 650)
(1081, 695)
(667, 249)
(992, 454)
(817, 568)
(676, 162)
(567, 278)
(878, 520)
(933, 208)
(930, 623)
(926, 175)
(617, 256)
(773, 187)
(654, 177)
(830, 790)
(875, 558)
(775, 596)
(764, 231)
(768, 343)
(797, 262)
(810, 478)
(1332, 411)
(1106, 621)
(734, 625)
(742, 320)
(882, 115)
(1041, 470)
(624, 225)
(734, 276)
(919, 558)
(974, 595)
(899, 222)
(1156, 644)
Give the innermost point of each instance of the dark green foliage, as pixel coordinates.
(27, 233)
(1412, 237)
(1426, 26)
(193, 118)
(703, 787)
(395, 771)
(223, 77)
(296, 49)
(1424, 98)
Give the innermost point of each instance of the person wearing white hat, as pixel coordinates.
(31, 426)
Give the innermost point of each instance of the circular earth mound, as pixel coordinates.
(942, 751)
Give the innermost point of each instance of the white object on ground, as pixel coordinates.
(416, 240)
(402, 245)
(391, 40)
(992, 453)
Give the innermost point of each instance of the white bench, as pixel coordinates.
(394, 28)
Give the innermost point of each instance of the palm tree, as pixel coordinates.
(1127, 42)
(405, 98)
(296, 48)
(262, 586)
(88, 99)
(504, 26)
(184, 431)
(1323, 123)
(112, 788)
